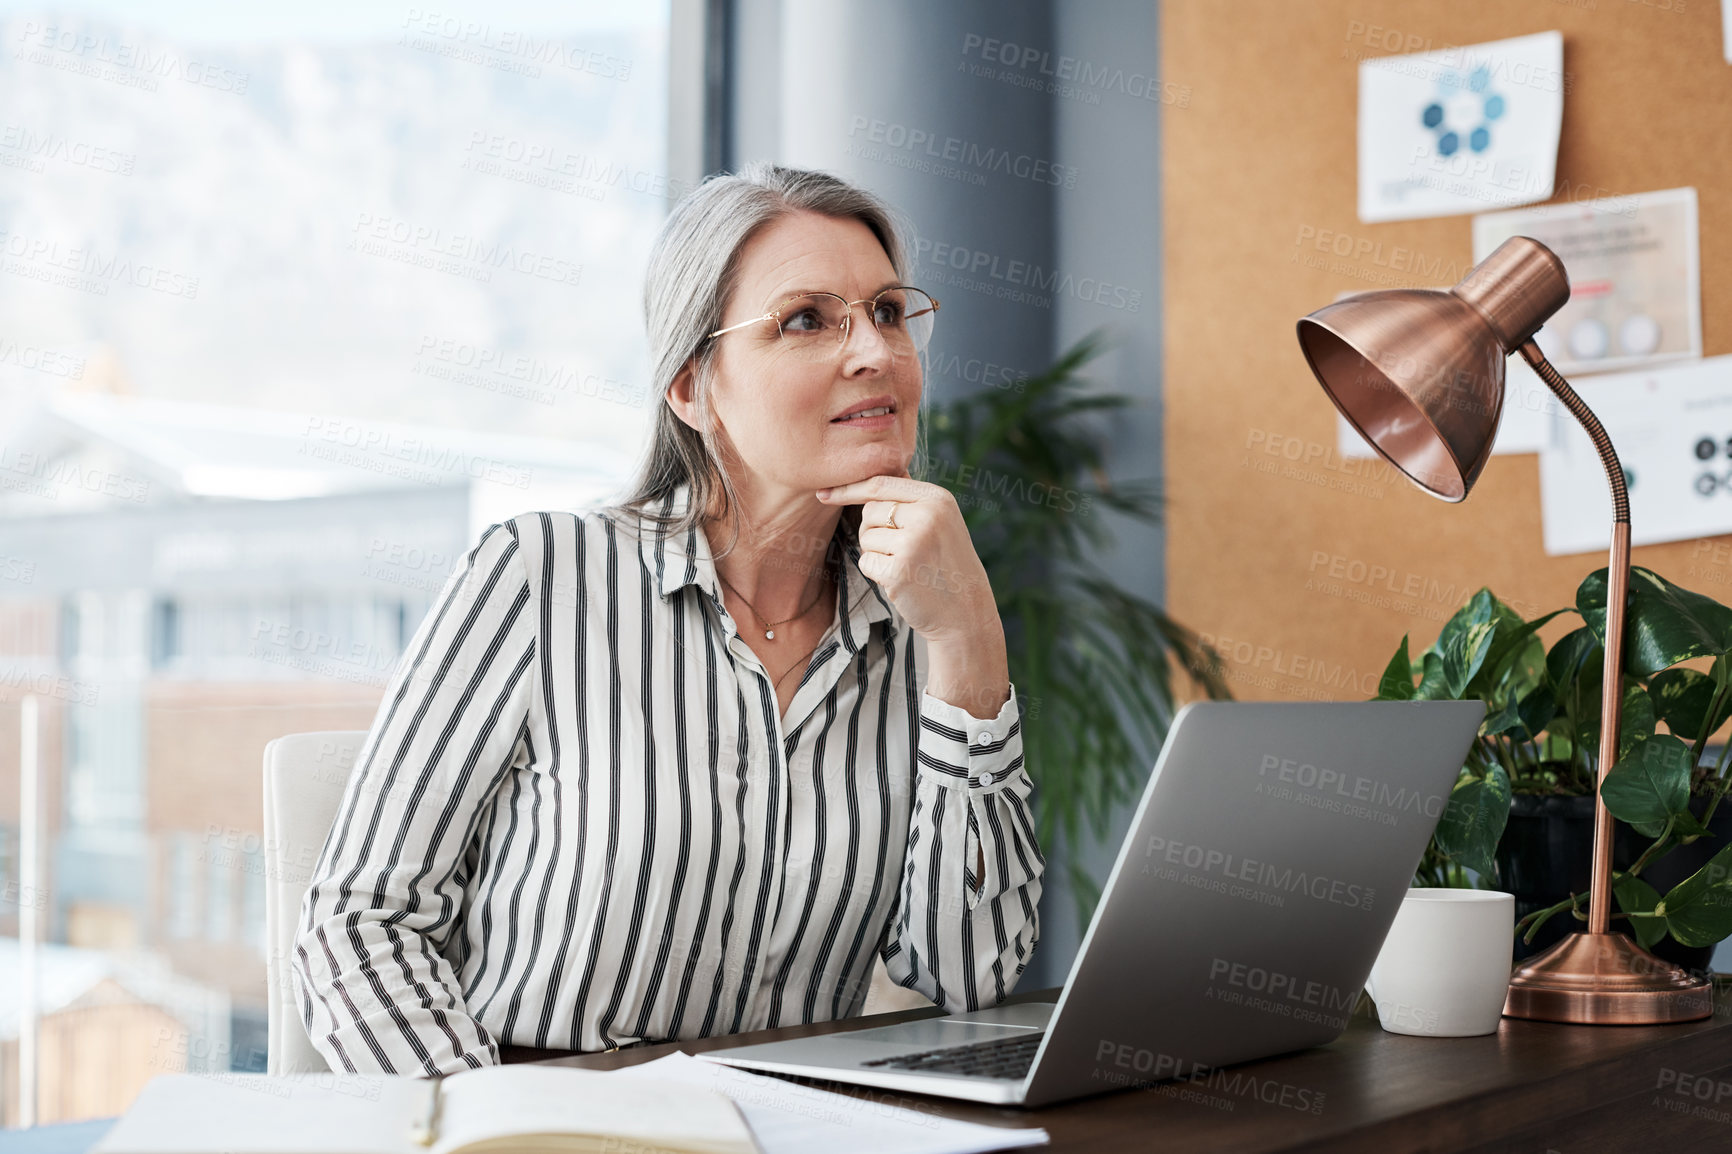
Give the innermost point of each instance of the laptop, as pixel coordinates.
(1264, 865)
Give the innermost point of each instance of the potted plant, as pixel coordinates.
(1537, 752)
(1097, 668)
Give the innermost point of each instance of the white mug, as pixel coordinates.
(1444, 968)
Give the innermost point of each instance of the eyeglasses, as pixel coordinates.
(815, 326)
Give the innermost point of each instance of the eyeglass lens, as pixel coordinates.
(817, 323)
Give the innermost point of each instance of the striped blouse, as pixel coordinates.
(579, 821)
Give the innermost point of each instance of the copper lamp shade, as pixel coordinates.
(1420, 374)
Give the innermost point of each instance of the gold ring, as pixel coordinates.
(892, 523)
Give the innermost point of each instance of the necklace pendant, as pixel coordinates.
(769, 634)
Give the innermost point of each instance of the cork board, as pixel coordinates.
(1304, 568)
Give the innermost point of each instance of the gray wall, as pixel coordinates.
(1109, 227)
(1000, 177)
(878, 95)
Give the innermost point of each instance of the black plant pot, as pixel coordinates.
(1546, 854)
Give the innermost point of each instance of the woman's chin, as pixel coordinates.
(885, 457)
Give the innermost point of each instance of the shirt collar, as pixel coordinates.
(678, 559)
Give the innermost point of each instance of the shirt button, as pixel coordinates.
(986, 779)
(983, 738)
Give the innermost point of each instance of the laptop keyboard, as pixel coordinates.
(999, 1058)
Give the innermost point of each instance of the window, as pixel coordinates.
(296, 300)
(165, 632)
(9, 880)
(183, 886)
(252, 927)
(219, 895)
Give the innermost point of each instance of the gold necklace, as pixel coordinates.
(769, 626)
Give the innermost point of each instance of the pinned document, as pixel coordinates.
(1672, 429)
(1635, 295)
(1463, 128)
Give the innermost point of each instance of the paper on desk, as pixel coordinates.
(1672, 429)
(1634, 278)
(192, 1113)
(791, 1118)
(1460, 128)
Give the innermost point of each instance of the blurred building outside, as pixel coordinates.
(183, 583)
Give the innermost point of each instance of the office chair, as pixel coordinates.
(304, 778)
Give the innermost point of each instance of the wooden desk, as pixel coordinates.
(1532, 1087)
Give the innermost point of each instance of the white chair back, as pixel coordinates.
(304, 778)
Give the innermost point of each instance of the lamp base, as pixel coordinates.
(1605, 980)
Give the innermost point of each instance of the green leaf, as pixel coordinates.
(1637, 722)
(1511, 637)
(1685, 826)
(1514, 669)
(1636, 896)
(1396, 684)
(1698, 911)
(1573, 667)
(1651, 783)
(1474, 819)
(1503, 721)
(1465, 641)
(1574, 653)
(1432, 684)
(1537, 711)
(1682, 698)
(1664, 623)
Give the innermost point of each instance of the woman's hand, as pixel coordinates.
(915, 545)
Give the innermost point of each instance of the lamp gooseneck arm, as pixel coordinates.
(1596, 432)
(1617, 590)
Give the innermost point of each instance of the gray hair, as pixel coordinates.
(693, 270)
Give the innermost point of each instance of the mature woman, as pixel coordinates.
(687, 766)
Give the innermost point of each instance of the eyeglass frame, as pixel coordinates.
(847, 314)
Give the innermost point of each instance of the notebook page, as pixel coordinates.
(791, 1118)
(526, 1099)
(259, 1114)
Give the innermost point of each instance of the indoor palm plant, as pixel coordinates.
(1097, 668)
(1540, 738)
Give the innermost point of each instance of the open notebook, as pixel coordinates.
(524, 1109)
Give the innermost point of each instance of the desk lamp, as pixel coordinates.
(1420, 374)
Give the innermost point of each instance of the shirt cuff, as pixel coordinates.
(963, 751)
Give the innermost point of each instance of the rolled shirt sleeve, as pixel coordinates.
(963, 935)
(377, 992)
